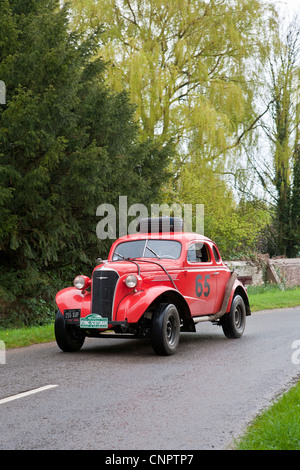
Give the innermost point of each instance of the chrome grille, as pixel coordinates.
(103, 289)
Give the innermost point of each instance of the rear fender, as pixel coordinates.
(72, 298)
(239, 289)
(133, 306)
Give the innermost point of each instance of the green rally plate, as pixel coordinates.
(93, 321)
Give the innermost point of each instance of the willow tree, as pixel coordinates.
(192, 69)
(186, 63)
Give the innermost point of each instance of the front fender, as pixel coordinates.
(72, 298)
(134, 305)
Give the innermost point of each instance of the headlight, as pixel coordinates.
(81, 282)
(131, 281)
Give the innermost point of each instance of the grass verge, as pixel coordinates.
(14, 338)
(261, 298)
(269, 296)
(277, 428)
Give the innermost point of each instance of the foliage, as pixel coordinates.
(193, 70)
(112, 97)
(235, 227)
(279, 174)
(67, 144)
(185, 63)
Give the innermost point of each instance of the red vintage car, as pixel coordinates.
(155, 283)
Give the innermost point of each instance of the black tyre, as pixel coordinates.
(165, 330)
(234, 322)
(68, 337)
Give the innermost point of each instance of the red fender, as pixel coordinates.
(71, 297)
(238, 288)
(133, 306)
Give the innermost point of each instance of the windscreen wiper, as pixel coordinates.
(152, 251)
(127, 259)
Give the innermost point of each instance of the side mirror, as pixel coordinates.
(101, 261)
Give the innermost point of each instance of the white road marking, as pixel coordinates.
(25, 394)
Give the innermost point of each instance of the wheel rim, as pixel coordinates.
(238, 318)
(171, 330)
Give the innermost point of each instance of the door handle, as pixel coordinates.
(213, 274)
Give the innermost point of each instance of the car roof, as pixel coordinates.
(177, 236)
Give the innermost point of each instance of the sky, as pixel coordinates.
(293, 6)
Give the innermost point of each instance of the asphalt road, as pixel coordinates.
(117, 394)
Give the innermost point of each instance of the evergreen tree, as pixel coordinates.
(67, 144)
(281, 175)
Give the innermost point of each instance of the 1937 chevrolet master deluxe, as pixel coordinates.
(155, 284)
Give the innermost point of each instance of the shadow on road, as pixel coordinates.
(142, 347)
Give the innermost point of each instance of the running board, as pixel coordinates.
(203, 318)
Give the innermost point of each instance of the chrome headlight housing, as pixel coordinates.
(131, 281)
(81, 282)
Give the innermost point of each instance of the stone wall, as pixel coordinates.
(248, 268)
(282, 271)
(287, 270)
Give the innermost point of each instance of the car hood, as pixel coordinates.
(139, 266)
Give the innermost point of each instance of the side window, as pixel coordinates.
(216, 254)
(198, 253)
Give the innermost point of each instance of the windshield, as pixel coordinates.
(159, 249)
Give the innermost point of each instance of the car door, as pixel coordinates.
(222, 274)
(200, 286)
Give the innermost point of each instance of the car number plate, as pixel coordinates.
(93, 321)
(72, 315)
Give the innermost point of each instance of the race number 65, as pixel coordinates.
(202, 288)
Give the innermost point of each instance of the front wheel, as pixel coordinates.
(68, 337)
(165, 330)
(234, 322)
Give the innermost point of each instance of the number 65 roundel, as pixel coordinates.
(199, 285)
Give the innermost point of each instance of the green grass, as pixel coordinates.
(269, 296)
(276, 428)
(14, 338)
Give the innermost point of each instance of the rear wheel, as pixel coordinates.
(68, 337)
(165, 330)
(234, 322)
